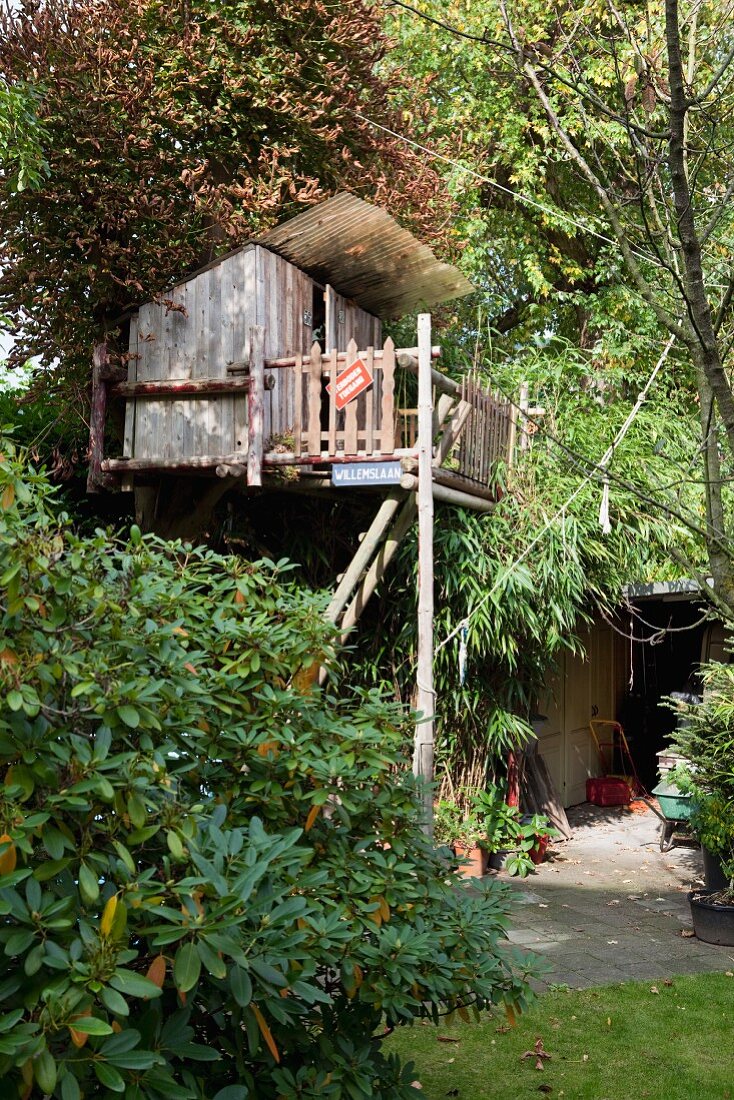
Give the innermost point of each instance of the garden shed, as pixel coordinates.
(653, 646)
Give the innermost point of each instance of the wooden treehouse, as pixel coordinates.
(267, 370)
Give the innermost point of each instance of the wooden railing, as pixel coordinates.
(488, 432)
(365, 425)
(285, 412)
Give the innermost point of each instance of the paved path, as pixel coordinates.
(609, 906)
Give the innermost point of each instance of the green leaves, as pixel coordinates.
(90, 1025)
(131, 984)
(44, 1071)
(88, 884)
(241, 986)
(186, 967)
(129, 715)
(164, 876)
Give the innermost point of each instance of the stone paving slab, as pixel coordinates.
(609, 906)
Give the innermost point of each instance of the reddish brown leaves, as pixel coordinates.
(538, 1053)
(156, 168)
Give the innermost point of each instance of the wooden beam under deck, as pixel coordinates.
(272, 458)
(184, 387)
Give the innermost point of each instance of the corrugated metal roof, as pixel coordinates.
(365, 255)
(683, 589)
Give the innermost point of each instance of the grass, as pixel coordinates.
(612, 1043)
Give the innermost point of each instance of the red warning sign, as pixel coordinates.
(350, 383)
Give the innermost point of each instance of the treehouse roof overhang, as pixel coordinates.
(361, 251)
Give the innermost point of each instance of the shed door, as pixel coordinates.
(585, 688)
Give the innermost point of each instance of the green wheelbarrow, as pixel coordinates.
(675, 810)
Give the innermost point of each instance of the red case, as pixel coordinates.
(607, 791)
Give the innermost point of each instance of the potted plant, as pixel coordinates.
(515, 843)
(488, 832)
(705, 740)
(712, 822)
(541, 831)
(463, 832)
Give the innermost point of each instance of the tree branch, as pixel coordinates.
(643, 287)
(705, 349)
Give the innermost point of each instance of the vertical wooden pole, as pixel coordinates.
(524, 405)
(256, 406)
(100, 360)
(425, 695)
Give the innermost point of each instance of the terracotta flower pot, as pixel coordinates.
(537, 852)
(477, 865)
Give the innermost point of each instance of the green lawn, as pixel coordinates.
(618, 1042)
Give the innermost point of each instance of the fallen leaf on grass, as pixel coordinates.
(502, 1029)
(416, 1085)
(537, 1052)
(451, 1039)
(667, 981)
(654, 989)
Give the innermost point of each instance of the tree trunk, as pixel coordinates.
(704, 345)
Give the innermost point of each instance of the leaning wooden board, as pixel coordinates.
(538, 794)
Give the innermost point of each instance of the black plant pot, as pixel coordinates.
(713, 871)
(712, 922)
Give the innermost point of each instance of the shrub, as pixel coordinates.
(212, 879)
(705, 737)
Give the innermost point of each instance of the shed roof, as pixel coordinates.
(365, 255)
(683, 589)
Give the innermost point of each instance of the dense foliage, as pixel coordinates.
(705, 738)
(21, 138)
(581, 126)
(173, 132)
(515, 589)
(212, 878)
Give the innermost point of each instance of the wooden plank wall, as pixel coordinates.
(283, 293)
(196, 330)
(201, 329)
(355, 324)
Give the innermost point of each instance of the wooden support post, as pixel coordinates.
(363, 555)
(255, 406)
(407, 361)
(100, 364)
(376, 571)
(425, 695)
(452, 432)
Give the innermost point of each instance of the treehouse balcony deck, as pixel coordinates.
(307, 412)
